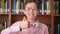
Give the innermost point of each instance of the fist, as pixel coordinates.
(24, 23)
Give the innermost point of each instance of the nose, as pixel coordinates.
(31, 11)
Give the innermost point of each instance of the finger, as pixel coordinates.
(24, 19)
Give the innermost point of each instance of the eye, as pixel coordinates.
(27, 9)
(34, 8)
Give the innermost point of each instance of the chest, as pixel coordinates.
(31, 31)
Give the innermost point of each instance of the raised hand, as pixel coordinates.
(24, 23)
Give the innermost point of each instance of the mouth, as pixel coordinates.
(31, 15)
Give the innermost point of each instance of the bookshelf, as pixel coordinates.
(11, 17)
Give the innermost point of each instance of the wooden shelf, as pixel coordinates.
(4, 14)
(17, 14)
(44, 14)
(57, 15)
(38, 14)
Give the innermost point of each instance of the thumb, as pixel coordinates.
(24, 19)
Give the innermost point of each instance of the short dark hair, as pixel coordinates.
(29, 1)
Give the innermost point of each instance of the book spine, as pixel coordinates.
(2, 7)
(45, 7)
(21, 7)
(58, 28)
(5, 25)
(42, 6)
(6, 6)
(56, 7)
(14, 6)
(48, 7)
(17, 6)
(1, 27)
(59, 7)
(38, 1)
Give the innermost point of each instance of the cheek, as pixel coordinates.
(36, 12)
(26, 13)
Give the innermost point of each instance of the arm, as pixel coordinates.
(13, 28)
(6, 31)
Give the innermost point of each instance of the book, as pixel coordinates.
(21, 7)
(59, 7)
(3, 6)
(1, 27)
(42, 6)
(0, 6)
(13, 6)
(56, 7)
(21, 4)
(57, 29)
(38, 4)
(6, 6)
(17, 6)
(0, 3)
(45, 5)
(48, 5)
(2, 12)
(4, 25)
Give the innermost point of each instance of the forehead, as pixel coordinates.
(32, 4)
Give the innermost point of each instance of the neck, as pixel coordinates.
(31, 20)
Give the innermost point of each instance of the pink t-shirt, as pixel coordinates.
(15, 29)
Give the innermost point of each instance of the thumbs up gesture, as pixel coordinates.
(24, 23)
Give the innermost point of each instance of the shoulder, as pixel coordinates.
(43, 26)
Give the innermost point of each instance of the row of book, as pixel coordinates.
(3, 6)
(44, 6)
(56, 7)
(17, 6)
(57, 29)
(3, 26)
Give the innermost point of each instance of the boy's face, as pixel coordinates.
(31, 10)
